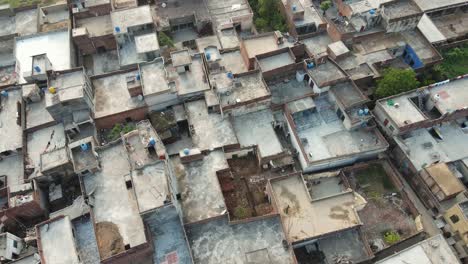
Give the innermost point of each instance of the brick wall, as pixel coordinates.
(109, 121)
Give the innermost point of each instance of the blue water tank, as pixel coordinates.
(138, 77)
(117, 29)
(294, 8)
(186, 151)
(208, 56)
(372, 11)
(37, 68)
(4, 93)
(366, 111)
(84, 147)
(361, 112)
(230, 75)
(152, 142)
(310, 65)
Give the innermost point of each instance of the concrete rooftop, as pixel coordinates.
(275, 61)
(326, 137)
(431, 5)
(254, 242)
(68, 86)
(252, 86)
(190, 82)
(96, 25)
(168, 235)
(147, 43)
(56, 44)
(56, 238)
(153, 75)
(201, 193)
(306, 218)
(111, 95)
(131, 17)
(44, 140)
(434, 250)
(107, 184)
(326, 74)
(423, 149)
(285, 92)
(256, 129)
(211, 130)
(261, 44)
(8, 121)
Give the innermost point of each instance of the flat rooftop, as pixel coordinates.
(68, 86)
(44, 140)
(255, 242)
(8, 73)
(256, 129)
(97, 25)
(345, 243)
(232, 61)
(153, 75)
(311, 16)
(168, 236)
(8, 25)
(285, 92)
(430, 5)
(56, 44)
(151, 186)
(176, 9)
(85, 239)
(414, 38)
(453, 25)
(251, 87)
(306, 218)
(8, 121)
(423, 149)
(406, 112)
(402, 8)
(211, 130)
(181, 58)
(452, 96)
(324, 135)
(111, 95)
(223, 12)
(317, 44)
(348, 94)
(261, 44)
(429, 251)
(445, 179)
(56, 237)
(326, 74)
(118, 222)
(275, 61)
(147, 43)
(130, 17)
(201, 193)
(189, 82)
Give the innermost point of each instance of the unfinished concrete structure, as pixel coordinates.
(303, 18)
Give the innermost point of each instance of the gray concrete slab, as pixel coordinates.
(201, 193)
(219, 242)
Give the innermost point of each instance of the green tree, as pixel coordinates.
(391, 237)
(267, 8)
(261, 24)
(165, 40)
(325, 5)
(396, 81)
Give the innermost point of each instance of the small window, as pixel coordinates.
(127, 247)
(454, 219)
(385, 122)
(15, 244)
(391, 128)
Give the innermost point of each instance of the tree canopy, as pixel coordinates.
(267, 15)
(396, 81)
